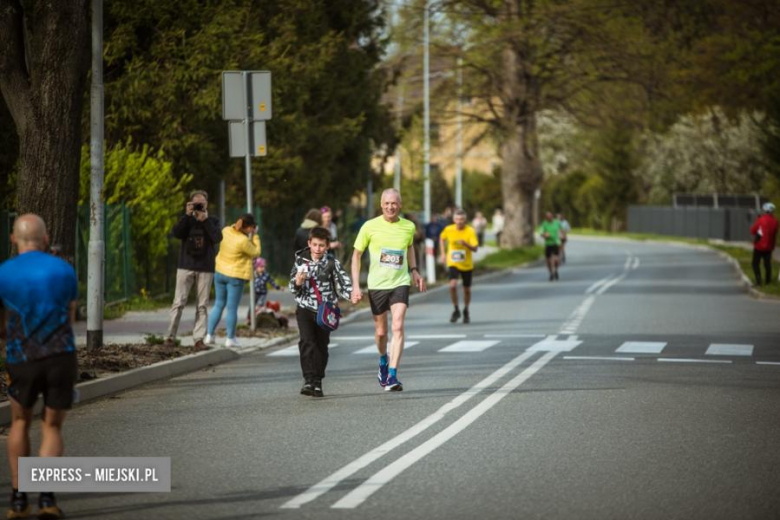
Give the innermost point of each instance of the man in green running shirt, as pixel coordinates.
(551, 231)
(392, 271)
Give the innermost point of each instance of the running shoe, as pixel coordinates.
(232, 343)
(393, 385)
(308, 389)
(47, 507)
(318, 390)
(382, 376)
(466, 317)
(209, 340)
(552, 277)
(20, 508)
(455, 316)
(556, 276)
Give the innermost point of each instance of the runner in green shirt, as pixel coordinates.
(552, 233)
(389, 240)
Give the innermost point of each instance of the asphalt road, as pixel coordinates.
(645, 384)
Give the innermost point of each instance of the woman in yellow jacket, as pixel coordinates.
(240, 245)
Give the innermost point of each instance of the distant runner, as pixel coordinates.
(461, 242)
(389, 240)
(550, 230)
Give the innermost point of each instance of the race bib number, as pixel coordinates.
(458, 256)
(392, 258)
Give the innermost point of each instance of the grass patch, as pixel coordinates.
(743, 256)
(506, 258)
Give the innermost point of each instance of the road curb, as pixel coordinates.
(92, 390)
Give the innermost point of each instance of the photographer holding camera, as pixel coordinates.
(199, 234)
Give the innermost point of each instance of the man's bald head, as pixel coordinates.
(30, 233)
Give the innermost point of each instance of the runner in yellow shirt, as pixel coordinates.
(461, 242)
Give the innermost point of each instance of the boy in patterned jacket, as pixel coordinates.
(315, 266)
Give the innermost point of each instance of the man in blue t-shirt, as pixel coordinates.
(37, 308)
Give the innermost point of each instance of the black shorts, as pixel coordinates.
(455, 273)
(551, 251)
(381, 300)
(54, 377)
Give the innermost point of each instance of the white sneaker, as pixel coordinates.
(232, 343)
(209, 340)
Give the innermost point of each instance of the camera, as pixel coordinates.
(198, 207)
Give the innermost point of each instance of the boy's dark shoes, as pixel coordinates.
(47, 507)
(318, 390)
(308, 389)
(20, 508)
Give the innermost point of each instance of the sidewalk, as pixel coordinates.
(134, 326)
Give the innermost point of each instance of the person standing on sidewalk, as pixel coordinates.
(240, 245)
(38, 293)
(461, 242)
(764, 231)
(316, 271)
(550, 231)
(390, 243)
(199, 234)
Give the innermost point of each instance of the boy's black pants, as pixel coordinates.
(313, 346)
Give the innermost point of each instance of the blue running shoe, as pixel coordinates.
(393, 385)
(382, 376)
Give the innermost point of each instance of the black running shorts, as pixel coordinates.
(381, 300)
(550, 251)
(455, 273)
(54, 377)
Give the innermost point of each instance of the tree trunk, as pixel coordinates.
(520, 178)
(521, 172)
(43, 66)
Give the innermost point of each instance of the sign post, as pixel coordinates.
(246, 105)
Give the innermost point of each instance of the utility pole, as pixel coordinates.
(430, 261)
(398, 172)
(96, 257)
(459, 159)
(249, 208)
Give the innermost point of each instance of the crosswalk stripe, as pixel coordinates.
(371, 349)
(469, 346)
(729, 349)
(641, 347)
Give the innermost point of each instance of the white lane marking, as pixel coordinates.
(438, 336)
(606, 286)
(371, 349)
(601, 358)
(767, 363)
(687, 360)
(598, 284)
(469, 346)
(515, 335)
(627, 265)
(286, 352)
(573, 323)
(350, 469)
(641, 347)
(729, 349)
(551, 344)
(636, 264)
(358, 495)
(293, 351)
